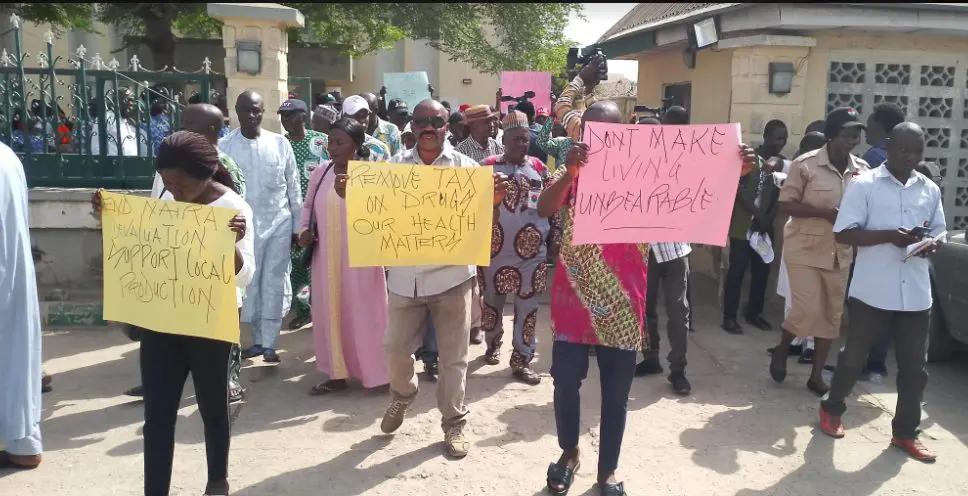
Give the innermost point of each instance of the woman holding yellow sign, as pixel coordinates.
(192, 173)
(349, 305)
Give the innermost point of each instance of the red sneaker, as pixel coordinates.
(914, 449)
(831, 425)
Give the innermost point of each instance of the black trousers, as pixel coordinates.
(166, 360)
(868, 325)
(743, 257)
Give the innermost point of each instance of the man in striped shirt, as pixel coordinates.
(668, 269)
(480, 145)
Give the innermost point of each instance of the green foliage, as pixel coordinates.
(492, 37)
(61, 16)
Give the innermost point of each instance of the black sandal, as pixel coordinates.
(561, 476)
(612, 489)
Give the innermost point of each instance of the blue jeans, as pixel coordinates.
(616, 368)
(428, 352)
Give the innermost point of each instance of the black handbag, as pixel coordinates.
(307, 255)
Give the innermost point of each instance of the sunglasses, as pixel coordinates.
(435, 122)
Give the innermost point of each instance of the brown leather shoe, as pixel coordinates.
(831, 425)
(914, 449)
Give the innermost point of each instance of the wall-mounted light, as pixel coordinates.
(249, 56)
(781, 77)
(467, 81)
(704, 33)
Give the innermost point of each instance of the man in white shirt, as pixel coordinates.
(131, 146)
(272, 189)
(445, 291)
(881, 214)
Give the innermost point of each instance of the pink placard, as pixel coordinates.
(517, 83)
(646, 183)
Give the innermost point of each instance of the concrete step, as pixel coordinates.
(81, 307)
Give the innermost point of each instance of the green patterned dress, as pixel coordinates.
(309, 152)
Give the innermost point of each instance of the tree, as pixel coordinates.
(61, 16)
(491, 37)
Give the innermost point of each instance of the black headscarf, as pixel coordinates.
(192, 154)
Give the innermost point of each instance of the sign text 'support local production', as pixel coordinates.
(408, 214)
(169, 266)
(647, 183)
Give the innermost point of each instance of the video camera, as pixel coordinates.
(657, 111)
(519, 99)
(576, 57)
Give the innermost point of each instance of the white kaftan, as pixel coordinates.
(20, 359)
(272, 190)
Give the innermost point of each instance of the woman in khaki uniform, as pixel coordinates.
(817, 266)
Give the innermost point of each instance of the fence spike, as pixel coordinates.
(207, 65)
(15, 20)
(135, 63)
(81, 51)
(97, 63)
(49, 37)
(114, 64)
(43, 61)
(5, 58)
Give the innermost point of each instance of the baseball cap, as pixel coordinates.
(397, 106)
(354, 104)
(839, 119)
(464, 107)
(292, 105)
(541, 112)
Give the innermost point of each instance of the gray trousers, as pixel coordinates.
(868, 326)
(673, 278)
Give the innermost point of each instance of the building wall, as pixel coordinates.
(710, 94)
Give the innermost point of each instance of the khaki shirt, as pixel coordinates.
(814, 181)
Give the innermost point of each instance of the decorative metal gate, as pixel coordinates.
(932, 92)
(62, 121)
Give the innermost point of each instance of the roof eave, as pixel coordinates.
(670, 21)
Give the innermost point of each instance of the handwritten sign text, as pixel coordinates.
(648, 183)
(409, 214)
(169, 266)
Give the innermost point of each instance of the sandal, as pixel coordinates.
(561, 477)
(330, 386)
(492, 356)
(236, 394)
(46, 384)
(6, 461)
(612, 489)
(253, 351)
(528, 376)
(270, 356)
(818, 387)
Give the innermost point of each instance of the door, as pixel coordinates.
(677, 94)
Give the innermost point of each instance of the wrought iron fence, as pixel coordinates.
(63, 121)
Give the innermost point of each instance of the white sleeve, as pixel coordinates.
(247, 249)
(157, 186)
(293, 188)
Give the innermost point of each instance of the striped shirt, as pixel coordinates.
(568, 112)
(474, 150)
(666, 252)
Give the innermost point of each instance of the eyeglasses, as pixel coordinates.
(435, 122)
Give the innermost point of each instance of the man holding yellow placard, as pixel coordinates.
(421, 204)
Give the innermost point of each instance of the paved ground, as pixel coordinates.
(739, 434)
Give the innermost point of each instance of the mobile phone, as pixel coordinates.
(919, 232)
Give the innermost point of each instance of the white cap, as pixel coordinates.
(352, 105)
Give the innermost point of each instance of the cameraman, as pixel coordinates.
(566, 110)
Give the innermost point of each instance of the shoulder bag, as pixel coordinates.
(307, 255)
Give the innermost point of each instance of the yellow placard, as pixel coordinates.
(409, 214)
(169, 266)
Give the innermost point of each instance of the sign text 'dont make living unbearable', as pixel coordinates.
(657, 183)
(408, 214)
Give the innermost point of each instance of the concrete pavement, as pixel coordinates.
(738, 434)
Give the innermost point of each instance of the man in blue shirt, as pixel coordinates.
(880, 123)
(890, 294)
(884, 118)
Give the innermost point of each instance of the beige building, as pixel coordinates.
(837, 54)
